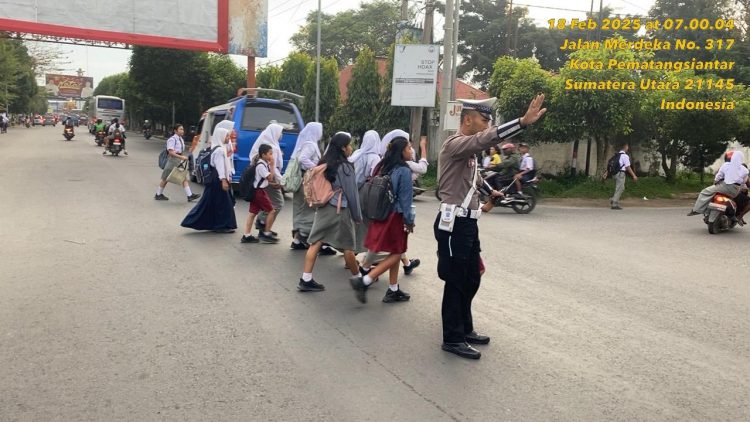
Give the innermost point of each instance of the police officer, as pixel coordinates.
(456, 229)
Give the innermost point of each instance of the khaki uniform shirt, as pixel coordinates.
(458, 161)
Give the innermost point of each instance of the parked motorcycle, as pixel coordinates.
(68, 133)
(115, 146)
(99, 138)
(520, 203)
(720, 214)
(147, 133)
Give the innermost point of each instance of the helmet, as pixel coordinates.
(728, 155)
(507, 146)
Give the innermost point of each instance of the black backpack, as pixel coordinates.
(204, 173)
(247, 183)
(613, 165)
(377, 197)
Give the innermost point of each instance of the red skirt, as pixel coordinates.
(388, 235)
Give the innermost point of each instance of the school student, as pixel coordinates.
(391, 234)
(365, 159)
(264, 177)
(334, 222)
(271, 136)
(307, 153)
(175, 148)
(215, 210)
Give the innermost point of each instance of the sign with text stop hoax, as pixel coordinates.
(415, 73)
(202, 25)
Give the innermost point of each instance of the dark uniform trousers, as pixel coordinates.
(458, 266)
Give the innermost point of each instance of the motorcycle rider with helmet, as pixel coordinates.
(115, 126)
(507, 169)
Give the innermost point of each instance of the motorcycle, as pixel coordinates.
(147, 133)
(720, 214)
(99, 138)
(68, 133)
(115, 146)
(520, 203)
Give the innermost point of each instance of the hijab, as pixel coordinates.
(310, 135)
(370, 145)
(270, 136)
(736, 172)
(229, 146)
(219, 138)
(389, 137)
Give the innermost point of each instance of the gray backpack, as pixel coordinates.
(377, 197)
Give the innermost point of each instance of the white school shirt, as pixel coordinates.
(176, 143)
(261, 174)
(624, 161)
(527, 163)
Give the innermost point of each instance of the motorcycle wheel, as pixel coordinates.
(525, 208)
(715, 226)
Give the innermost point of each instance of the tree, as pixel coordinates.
(111, 85)
(268, 77)
(226, 78)
(294, 72)
(363, 97)
(345, 34)
(600, 113)
(329, 93)
(18, 86)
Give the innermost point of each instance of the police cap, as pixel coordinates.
(483, 107)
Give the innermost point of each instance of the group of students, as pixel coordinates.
(337, 226)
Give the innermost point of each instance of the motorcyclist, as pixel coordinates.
(527, 168)
(99, 126)
(146, 127)
(507, 169)
(115, 127)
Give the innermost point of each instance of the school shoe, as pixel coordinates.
(310, 286)
(299, 246)
(261, 227)
(249, 239)
(327, 250)
(413, 263)
(462, 349)
(616, 207)
(267, 239)
(692, 213)
(397, 296)
(360, 288)
(363, 272)
(161, 197)
(476, 338)
(193, 197)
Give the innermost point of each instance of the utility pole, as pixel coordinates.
(317, 72)
(445, 89)
(417, 113)
(454, 72)
(508, 18)
(598, 38)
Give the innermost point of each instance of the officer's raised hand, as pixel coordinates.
(534, 112)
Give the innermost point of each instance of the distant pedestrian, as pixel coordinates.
(307, 153)
(215, 210)
(334, 222)
(391, 234)
(623, 166)
(264, 177)
(271, 136)
(175, 149)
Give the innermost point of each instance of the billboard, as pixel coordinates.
(185, 24)
(69, 86)
(248, 27)
(415, 73)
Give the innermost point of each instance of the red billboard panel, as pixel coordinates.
(69, 86)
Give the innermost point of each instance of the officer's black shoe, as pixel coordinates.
(360, 288)
(474, 338)
(413, 263)
(462, 349)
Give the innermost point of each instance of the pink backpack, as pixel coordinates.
(318, 190)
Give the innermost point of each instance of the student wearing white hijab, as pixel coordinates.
(307, 153)
(215, 210)
(735, 176)
(229, 126)
(271, 136)
(396, 133)
(365, 159)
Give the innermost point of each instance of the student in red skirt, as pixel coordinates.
(391, 234)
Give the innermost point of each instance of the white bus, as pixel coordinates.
(106, 107)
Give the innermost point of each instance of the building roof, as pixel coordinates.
(463, 90)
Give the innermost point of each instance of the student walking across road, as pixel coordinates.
(175, 149)
(618, 172)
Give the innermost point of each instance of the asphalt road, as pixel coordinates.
(109, 310)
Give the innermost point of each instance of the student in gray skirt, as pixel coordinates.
(329, 224)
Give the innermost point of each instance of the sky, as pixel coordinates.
(286, 17)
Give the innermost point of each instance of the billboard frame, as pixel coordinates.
(220, 46)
